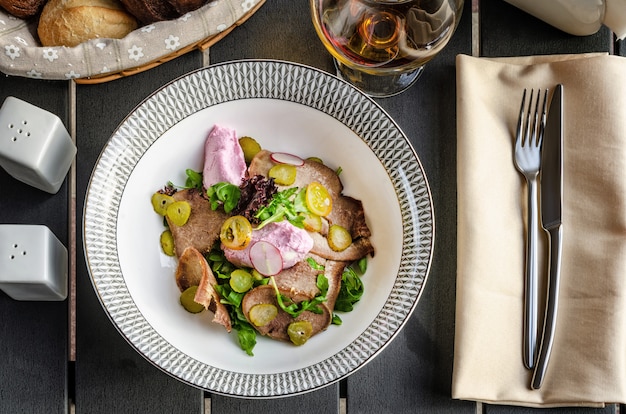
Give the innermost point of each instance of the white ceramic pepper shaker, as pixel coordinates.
(578, 17)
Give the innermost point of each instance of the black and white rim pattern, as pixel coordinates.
(243, 80)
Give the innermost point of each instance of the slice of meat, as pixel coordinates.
(358, 249)
(333, 271)
(298, 283)
(203, 227)
(277, 328)
(193, 270)
(347, 212)
(301, 279)
(190, 269)
(307, 173)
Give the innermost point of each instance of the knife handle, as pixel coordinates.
(531, 297)
(555, 242)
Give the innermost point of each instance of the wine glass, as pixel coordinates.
(381, 46)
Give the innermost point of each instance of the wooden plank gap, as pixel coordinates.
(72, 230)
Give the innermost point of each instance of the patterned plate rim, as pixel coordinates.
(246, 79)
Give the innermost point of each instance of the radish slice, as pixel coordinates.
(266, 258)
(285, 158)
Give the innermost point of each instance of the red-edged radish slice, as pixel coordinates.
(266, 258)
(286, 158)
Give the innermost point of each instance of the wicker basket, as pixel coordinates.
(104, 60)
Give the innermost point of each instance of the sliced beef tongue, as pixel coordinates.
(297, 283)
(307, 173)
(193, 270)
(358, 249)
(277, 327)
(347, 212)
(203, 227)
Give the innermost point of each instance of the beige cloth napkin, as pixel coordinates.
(588, 363)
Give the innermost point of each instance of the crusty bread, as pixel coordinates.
(23, 9)
(71, 22)
(185, 6)
(150, 11)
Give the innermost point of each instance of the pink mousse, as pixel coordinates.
(223, 158)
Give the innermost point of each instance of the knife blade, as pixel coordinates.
(551, 183)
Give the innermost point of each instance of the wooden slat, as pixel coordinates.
(110, 375)
(33, 346)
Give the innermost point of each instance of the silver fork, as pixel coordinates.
(529, 137)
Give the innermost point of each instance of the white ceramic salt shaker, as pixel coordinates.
(35, 147)
(33, 263)
(578, 17)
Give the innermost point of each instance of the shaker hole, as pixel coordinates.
(12, 256)
(24, 122)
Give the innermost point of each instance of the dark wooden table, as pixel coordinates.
(62, 356)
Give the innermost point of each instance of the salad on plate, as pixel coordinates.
(266, 241)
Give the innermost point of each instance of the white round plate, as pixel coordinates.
(285, 107)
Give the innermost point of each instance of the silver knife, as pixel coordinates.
(551, 220)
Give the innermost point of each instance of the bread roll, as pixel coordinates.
(185, 6)
(150, 11)
(71, 22)
(23, 9)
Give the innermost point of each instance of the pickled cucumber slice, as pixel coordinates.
(299, 332)
(241, 281)
(338, 238)
(188, 302)
(283, 174)
(167, 243)
(312, 222)
(160, 202)
(250, 148)
(262, 314)
(178, 212)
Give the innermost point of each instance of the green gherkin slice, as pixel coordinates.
(167, 243)
(160, 202)
(188, 302)
(241, 281)
(178, 212)
(299, 332)
(262, 314)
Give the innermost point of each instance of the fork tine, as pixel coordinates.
(542, 125)
(536, 127)
(527, 135)
(520, 121)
